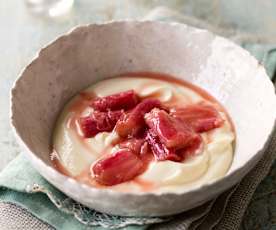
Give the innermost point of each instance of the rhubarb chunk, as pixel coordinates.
(124, 100)
(117, 168)
(98, 122)
(132, 123)
(160, 151)
(171, 131)
(200, 117)
(137, 146)
(194, 148)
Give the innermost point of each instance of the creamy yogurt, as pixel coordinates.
(76, 154)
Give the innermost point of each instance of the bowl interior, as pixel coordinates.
(91, 53)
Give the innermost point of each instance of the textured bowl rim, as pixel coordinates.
(39, 163)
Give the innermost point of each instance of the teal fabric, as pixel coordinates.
(266, 54)
(18, 182)
(14, 181)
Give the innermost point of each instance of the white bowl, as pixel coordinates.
(91, 53)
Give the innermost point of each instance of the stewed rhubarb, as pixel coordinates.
(160, 151)
(200, 117)
(122, 100)
(98, 122)
(116, 168)
(133, 122)
(146, 128)
(139, 146)
(172, 132)
(148, 133)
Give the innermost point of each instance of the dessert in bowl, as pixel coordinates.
(143, 132)
(64, 114)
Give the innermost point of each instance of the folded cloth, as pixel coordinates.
(20, 184)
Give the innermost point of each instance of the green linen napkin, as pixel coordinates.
(266, 54)
(22, 185)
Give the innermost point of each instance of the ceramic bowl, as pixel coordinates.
(94, 52)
